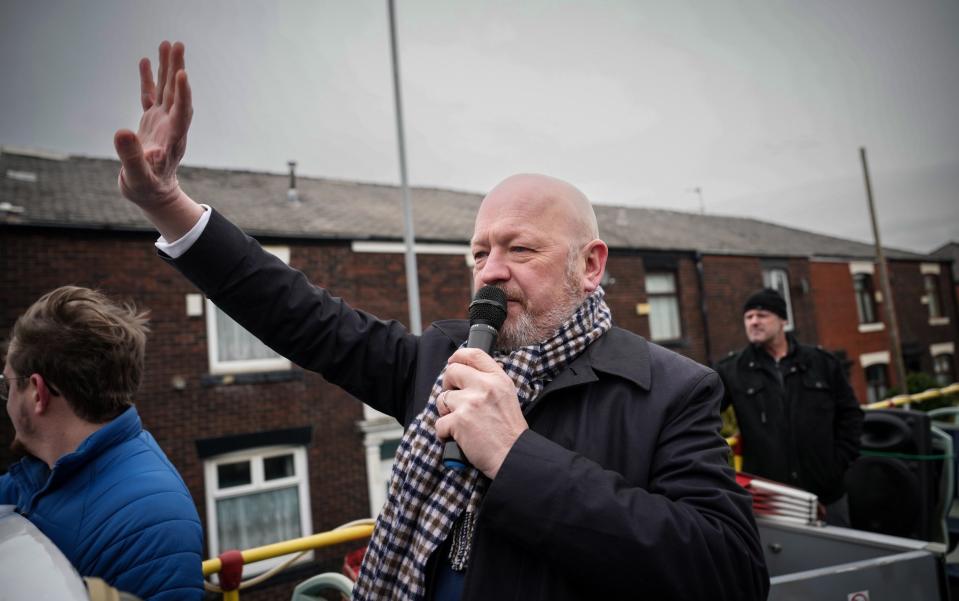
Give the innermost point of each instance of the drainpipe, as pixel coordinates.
(702, 307)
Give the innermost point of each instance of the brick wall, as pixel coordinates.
(916, 330)
(628, 290)
(628, 269)
(727, 282)
(838, 321)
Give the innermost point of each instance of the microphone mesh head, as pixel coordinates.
(489, 306)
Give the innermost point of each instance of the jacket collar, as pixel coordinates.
(755, 352)
(37, 475)
(605, 355)
(122, 428)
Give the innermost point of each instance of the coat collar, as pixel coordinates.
(755, 357)
(38, 476)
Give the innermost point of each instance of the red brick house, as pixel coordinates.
(270, 451)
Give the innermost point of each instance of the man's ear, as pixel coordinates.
(595, 254)
(40, 394)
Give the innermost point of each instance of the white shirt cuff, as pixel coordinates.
(177, 248)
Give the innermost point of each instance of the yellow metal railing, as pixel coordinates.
(358, 530)
(903, 399)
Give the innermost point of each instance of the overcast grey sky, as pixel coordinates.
(762, 104)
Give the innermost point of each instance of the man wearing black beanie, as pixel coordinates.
(798, 417)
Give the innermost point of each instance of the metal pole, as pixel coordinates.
(884, 276)
(412, 277)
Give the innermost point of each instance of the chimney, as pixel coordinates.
(291, 194)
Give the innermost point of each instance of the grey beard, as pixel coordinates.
(526, 330)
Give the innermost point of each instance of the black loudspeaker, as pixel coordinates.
(892, 485)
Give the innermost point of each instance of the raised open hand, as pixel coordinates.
(150, 157)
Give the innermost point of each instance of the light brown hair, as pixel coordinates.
(87, 347)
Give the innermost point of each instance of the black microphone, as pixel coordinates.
(487, 314)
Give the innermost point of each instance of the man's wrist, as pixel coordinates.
(174, 218)
(176, 248)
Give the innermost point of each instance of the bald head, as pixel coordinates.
(545, 195)
(535, 237)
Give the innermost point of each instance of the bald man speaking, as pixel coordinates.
(597, 466)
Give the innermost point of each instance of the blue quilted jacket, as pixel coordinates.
(118, 509)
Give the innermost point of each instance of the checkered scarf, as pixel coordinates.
(429, 503)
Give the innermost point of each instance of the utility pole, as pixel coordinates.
(884, 276)
(409, 238)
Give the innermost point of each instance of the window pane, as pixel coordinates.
(258, 519)
(778, 280)
(278, 467)
(660, 283)
(663, 318)
(864, 298)
(236, 344)
(942, 365)
(932, 295)
(876, 383)
(233, 474)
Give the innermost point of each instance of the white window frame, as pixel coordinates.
(943, 348)
(869, 387)
(859, 268)
(869, 359)
(770, 275)
(257, 484)
(217, 366)
(933, 299)
(939, 374)
(378, 430)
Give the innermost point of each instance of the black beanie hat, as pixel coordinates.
(767, 299)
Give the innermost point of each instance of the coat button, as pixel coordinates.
(750, 391)
(752, 364)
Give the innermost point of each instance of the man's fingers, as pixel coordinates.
(174, 68)
(182, 112)
(466, 366)
(476, 359)
(147, 87)
(178, 57)
(445, 403)
(444, 428)
(130, 152)
(164, 58)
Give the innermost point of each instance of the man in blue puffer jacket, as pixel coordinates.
(91, 478)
